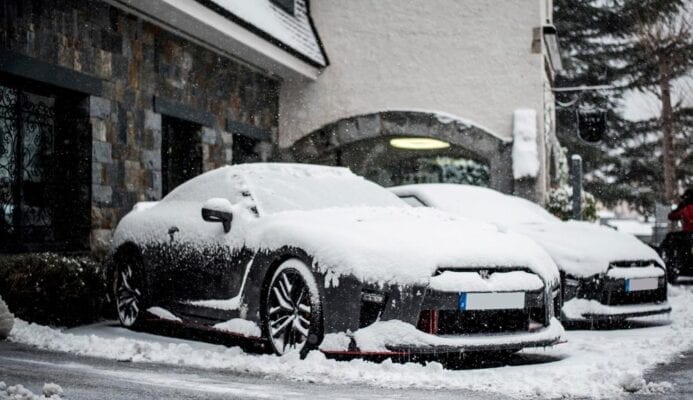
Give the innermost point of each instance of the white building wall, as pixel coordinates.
(471, 58)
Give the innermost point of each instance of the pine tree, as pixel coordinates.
(640, 45)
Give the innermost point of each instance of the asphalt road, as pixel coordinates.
(87, 378)
(679, 373)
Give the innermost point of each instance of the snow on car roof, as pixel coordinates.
(277, 187)
(478, 202)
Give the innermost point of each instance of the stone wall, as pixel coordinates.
(478, 142)
(136, 61)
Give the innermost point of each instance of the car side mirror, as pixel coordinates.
(218, 210)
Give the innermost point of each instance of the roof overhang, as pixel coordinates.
(199, 24)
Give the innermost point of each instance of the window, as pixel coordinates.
(246, 149)
(181, 152)
(45, 169)
(286, 5)
(413, 201)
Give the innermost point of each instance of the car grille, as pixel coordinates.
(612, 291)
(615, 294)
(447, 320)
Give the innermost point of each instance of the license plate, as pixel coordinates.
(492, 301)
(638, 284)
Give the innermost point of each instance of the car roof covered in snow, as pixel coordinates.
(277, 187)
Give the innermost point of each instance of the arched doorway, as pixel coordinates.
(461, 153)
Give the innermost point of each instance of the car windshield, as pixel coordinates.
(481, 203)
(278, 188)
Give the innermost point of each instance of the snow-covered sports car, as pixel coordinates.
(605, 274)
(301, 257)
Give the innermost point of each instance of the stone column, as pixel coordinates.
(102, 120)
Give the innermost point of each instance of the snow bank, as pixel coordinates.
(222, 304)
(240, 326)
(19, 392)
(378, 335)
(597, 364)
(163, 314)
(525, 153)
(6, 320)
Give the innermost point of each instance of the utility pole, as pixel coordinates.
(667, 132)
(576, 182)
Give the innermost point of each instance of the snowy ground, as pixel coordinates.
(598, 364)
(18, 392)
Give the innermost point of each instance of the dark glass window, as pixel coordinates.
(246, 149)
(181, 152)
(45, 160)
(286, 5)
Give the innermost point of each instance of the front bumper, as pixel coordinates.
(592, 310)
(607, 297)
(397, 338)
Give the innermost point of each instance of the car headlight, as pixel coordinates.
(571, 282)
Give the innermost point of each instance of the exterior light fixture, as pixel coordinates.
(418, 143)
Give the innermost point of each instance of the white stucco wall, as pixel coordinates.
(471, 58)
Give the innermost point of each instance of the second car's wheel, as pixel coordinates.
(671, 260)
(129, 298)
(293, 310)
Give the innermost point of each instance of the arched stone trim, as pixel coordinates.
(483, 144)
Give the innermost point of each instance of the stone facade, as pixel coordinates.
(137, 63)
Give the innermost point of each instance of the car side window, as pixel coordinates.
(413, 201)
(204, 187)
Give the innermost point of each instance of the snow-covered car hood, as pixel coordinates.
(388, 245)
(397, 245)
(584, 249)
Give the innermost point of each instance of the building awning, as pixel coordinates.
(254, 32)
(287, 24)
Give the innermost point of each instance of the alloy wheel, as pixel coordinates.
(289, 311)
(127, 297)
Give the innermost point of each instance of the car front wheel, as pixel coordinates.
(128, 294)
(293, 310)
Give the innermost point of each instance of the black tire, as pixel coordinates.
(672, 262)
(292, 310)
(128, 292)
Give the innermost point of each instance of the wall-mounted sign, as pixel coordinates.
(591, 125)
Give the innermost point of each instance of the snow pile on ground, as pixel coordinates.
(525, 154)
(376, 336)
(19, 392)
(240, 326)
(601, 364)
(163, 314)
(6, 320)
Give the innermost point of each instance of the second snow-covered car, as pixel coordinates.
(301, 257)
(606, 274)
